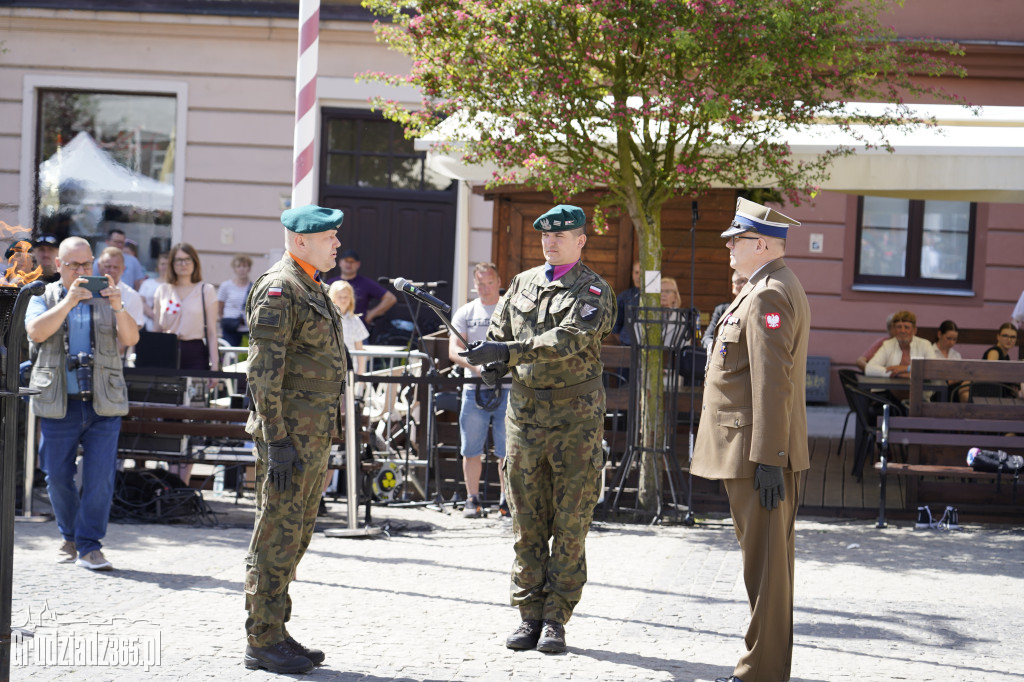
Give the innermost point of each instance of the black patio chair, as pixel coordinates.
(847, 377)
(867, 407)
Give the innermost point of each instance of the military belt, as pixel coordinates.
(557, 393)
(315, 385)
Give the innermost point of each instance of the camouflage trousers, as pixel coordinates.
(552, 480)
(284, 527)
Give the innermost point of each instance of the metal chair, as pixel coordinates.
(847, 377)
(867, 407)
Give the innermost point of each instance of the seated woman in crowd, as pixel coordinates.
(676, 333)
(945, 339)
(1006, 339)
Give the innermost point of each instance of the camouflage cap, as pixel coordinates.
(311, 219)
(561, 218)
(753, 217)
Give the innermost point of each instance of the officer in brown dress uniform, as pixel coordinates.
(753, 429)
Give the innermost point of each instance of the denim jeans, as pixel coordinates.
(473, 421)
(80, 518)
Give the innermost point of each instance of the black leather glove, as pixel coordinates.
(283, 457)
(486, 352)
(492, 373)
(768, 479)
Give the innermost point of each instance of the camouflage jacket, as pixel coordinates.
(554, 331)
(296, 355)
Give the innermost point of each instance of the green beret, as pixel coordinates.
(561, 218)
(311, 219)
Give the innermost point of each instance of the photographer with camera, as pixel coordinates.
(74, 329)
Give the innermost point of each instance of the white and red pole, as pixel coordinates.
(305, 102)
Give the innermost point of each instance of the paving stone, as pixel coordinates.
(431, 602)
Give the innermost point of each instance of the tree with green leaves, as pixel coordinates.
(645, 100)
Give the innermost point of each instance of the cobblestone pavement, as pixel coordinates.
(430, 603)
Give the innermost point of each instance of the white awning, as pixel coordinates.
(966, 157)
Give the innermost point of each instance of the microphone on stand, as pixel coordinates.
(422, 285)
(408, 287)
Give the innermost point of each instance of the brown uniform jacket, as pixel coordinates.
(754, 409)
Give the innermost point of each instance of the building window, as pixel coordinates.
(916, 244)
(105, 160)
(363, 150)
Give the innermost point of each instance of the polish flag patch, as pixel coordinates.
(273, 291)
(595, 290)
(172, 308)
(772, 320)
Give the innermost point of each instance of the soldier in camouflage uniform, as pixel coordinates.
(548, 328)
(296, 371)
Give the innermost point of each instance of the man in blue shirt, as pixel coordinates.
(82, 396)
(134, 273)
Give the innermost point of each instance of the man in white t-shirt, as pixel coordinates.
(111, 262)
(482, 406)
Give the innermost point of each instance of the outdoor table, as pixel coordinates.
(869, 383)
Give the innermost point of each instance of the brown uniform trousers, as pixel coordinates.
(754, 413)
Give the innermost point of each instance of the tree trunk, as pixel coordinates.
(652, 406)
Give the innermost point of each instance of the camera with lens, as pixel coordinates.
(81, 365)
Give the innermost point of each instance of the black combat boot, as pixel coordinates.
(277, 658)
(525, 636)
(552, 638)
(315, 655)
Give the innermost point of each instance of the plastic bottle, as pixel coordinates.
(218, 479)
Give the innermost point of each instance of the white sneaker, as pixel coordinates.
(67, 553)
(950, 519)
(924, 518)
(94, 561)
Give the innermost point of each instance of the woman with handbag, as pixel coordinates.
(186, 306)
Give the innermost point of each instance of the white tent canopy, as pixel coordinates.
(100, 179)
(966, 157)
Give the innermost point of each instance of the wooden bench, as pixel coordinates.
(175, 434)
(937, 435)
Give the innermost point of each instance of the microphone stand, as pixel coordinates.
(689, 519)
(432, 372)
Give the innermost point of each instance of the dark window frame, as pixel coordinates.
(365, 115)
(912, 256)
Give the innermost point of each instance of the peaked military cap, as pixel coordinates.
(753, 217)
(561, 218)
(311, 219)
